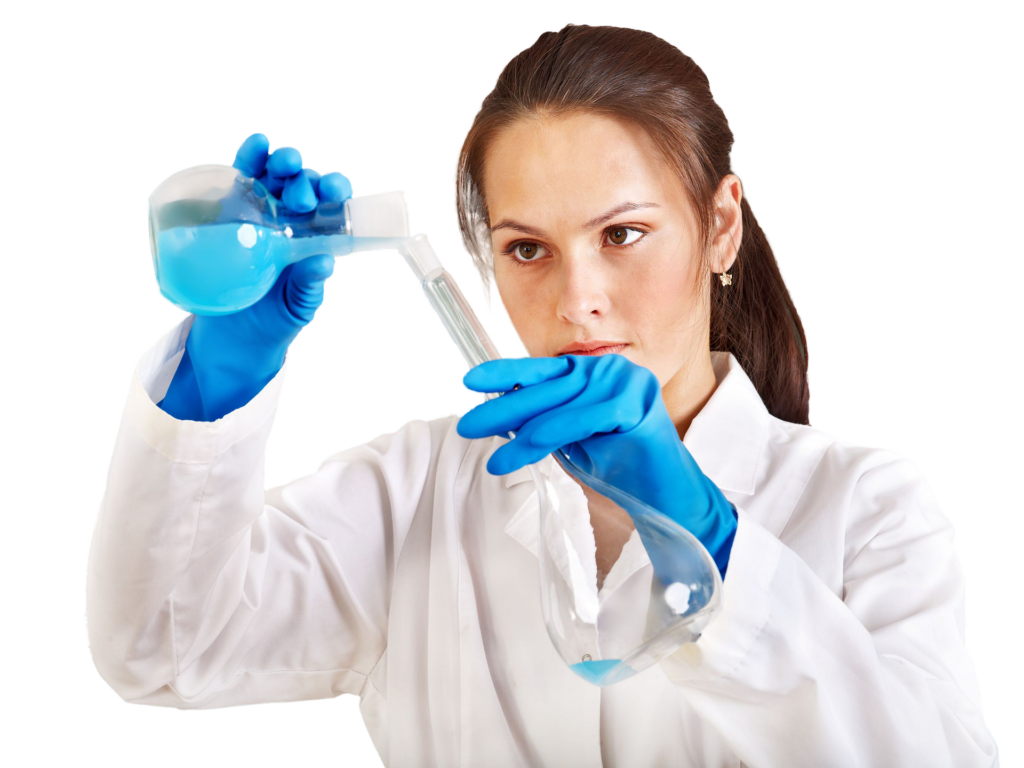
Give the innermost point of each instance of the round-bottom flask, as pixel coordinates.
(614, 616)
(219, 239)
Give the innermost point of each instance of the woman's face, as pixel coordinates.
(568, 267)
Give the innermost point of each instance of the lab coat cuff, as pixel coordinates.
(727, 640)
(182, 440)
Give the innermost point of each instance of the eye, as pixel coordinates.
(522, 252)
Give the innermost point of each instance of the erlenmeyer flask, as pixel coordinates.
(219, 239)
(600, 641)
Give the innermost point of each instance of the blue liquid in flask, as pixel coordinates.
(217, 269)
(596, 672)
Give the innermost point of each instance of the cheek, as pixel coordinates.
(661, 301)
(511, 291)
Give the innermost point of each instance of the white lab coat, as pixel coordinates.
(405, 573)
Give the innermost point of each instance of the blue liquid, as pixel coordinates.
(217, 269)
(596, 672)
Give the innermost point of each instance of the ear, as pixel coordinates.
(728, 233)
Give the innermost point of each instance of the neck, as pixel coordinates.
(689, 390)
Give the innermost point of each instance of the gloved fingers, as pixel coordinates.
(251, 158)
(519, 452)
(314, 180)
(514, 455)
(274, 185)
(298, 194)
(502, 375)
(562, 426)
(513, 410)
(284, 162)
(335, 188)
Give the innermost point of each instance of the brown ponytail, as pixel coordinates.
(636, 76)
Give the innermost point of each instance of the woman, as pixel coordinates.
(595, 186)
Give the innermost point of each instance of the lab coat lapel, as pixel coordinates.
(575, 559)
(444, 657)
(728, 436)
(524, 525)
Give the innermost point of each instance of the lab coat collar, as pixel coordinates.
(726, 438)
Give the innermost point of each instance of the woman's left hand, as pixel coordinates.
(607, 413)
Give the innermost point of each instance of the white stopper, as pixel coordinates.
(382, 215)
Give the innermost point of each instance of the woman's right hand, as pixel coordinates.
(229, 358)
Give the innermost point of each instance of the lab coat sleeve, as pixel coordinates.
(790, 674)
(205, 590)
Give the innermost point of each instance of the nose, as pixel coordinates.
(583, 293)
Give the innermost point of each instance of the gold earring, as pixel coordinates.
(726, 278)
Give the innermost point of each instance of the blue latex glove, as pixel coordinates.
(608, 415)
(228, 359)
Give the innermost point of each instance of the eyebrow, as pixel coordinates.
(594, 222)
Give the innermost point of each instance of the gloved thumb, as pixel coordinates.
(304, 291)
(313, 269)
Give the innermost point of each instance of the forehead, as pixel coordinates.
(574, 166)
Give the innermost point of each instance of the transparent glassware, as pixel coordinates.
(652, 611)
(219, 239)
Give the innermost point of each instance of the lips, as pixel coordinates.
(599, 347)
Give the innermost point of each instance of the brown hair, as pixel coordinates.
(635, 76)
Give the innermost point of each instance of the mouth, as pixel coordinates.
(606, 350)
